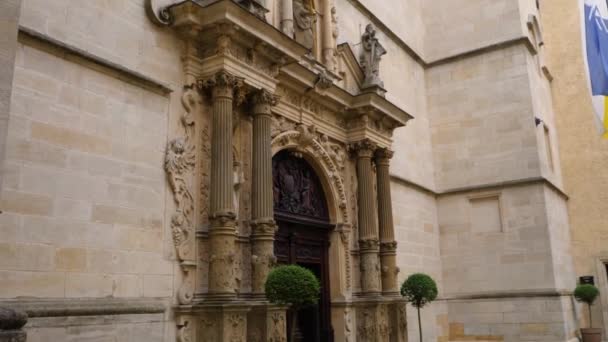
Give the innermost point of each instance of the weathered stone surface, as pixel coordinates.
(100, 200)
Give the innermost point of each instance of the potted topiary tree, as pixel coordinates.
(295, 286)
(419, 289)
(587, 293)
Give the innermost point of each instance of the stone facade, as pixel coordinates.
(136, 194)
(583, 153)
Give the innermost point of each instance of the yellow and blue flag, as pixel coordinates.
(595, 43)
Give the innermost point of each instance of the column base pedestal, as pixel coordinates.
(238, 321)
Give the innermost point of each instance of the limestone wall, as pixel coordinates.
(513, 319)
(584, 155)
(417, 235)
(480, 257)
(391, 13)
(404, 81)
(482, 119)
(84, 189)
(457, 26)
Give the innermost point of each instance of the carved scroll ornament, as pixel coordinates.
(179, 164)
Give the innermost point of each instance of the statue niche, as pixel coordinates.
(297, 190)
(305, 18)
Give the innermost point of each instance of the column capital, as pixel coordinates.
(363, 148)
(263, 227)
(262, 101)
(388, 247)
(383, 156)
(369, 245)
(223, 84)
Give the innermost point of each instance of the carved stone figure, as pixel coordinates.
(335, 32)
(297, 189)
(180, 161)
(371, 54)
(280, 125)
(304, 17)
(179, 165)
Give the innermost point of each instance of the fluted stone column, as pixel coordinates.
(263, 225)
(388, 245)
(222, 232)
(368, 229)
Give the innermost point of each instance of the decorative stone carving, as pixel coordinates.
(184, 331)
(366, 324)
(277, 331)
(402, 319)
(224, 84)
(293, 139)
(384, 328)
(204, 175)
(297, 190)
(335, 32)
(208, 327)
(331, 54)
(347, 325)
(179, 165)
(371, 54)
(158, 15)
(237, 327)
(336, 151)
(280, 125)
(304, 17)
(323, 81)
(345, 238)
(255, 7)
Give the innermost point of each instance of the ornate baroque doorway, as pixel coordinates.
(302, 215)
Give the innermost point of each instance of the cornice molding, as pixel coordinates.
(87, 307)
(482, 187)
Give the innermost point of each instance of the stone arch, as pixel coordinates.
(308, 145)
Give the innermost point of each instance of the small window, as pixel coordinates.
(486, 216)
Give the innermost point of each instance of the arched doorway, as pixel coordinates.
(302, 215)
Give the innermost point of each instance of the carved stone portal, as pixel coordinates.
(219, 162)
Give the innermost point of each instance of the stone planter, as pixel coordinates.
(592, 335)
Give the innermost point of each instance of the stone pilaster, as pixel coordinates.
(263, 225)
(222, 232)
(368, 228)
(388, 245)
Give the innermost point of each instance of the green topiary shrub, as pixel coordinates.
(419, 289)
(586, 293)
(293, 285)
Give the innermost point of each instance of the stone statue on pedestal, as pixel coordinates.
(304, 17)
(371, 54)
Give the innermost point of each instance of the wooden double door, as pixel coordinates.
(307, 244)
